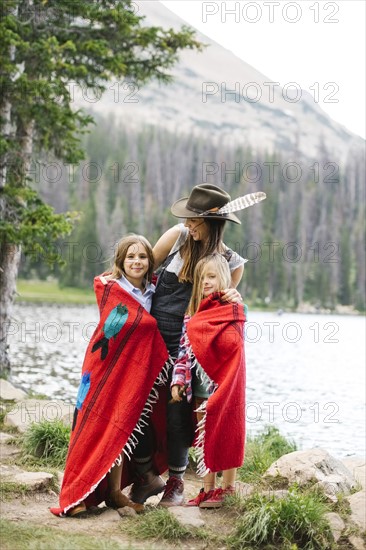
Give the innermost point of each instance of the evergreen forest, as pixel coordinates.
(305, 243)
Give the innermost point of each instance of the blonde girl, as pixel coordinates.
(212, 275)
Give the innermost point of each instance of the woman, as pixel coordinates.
(178, 252)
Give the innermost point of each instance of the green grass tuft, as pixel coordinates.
(297, 519)
(261, 451)
(47, 441)
(160, 524)
(5, 407)
(3, 413)
(342, 506)
(156, 524)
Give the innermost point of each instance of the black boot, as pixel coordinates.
(148, 485)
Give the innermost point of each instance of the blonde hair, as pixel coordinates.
(121, 252)
(192, 251)
(222, 269)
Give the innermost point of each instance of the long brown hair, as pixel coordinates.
(192, 251)
(121, 252)
(221, 268)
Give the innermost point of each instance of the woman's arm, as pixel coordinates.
(164, 245)
(236, 276)
(231, 294)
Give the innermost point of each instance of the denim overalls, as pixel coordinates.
(169, 305)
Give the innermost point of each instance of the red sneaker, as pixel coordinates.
(217, 498)
(202, 495)
(173, 494)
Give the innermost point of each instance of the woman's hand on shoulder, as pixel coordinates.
(165, 244)
(105, 277)
(231, 295)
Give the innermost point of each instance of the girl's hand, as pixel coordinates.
(231, 295)
(175, 390)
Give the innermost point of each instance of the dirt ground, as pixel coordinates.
(101, 522)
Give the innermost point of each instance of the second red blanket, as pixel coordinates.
(216, 334)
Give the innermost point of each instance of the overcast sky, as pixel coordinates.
(319, 45)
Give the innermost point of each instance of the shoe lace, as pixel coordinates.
(171, 485)
(200, 497)
(217, 493)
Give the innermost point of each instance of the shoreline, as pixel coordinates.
(346, 311)
(33, 291)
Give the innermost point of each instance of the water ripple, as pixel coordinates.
(305, 373)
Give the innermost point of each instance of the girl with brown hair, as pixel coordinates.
(118, 410)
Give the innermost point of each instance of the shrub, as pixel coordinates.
(261, 451)
(297, 519)
(47, 441)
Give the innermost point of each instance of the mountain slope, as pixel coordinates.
(217, 93)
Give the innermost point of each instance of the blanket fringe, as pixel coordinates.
(202, 469)
(138, 429)
(211, 387)
(148, 408)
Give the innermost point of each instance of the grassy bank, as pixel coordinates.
(50, 292)
(36, 291)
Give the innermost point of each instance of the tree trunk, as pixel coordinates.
(9, 264)
(10, 252)
(6, 131)
(5, 116)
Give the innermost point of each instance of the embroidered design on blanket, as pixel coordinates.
(83, 390)
(80, 398)
(114, 323)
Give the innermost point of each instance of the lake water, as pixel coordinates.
(305, 373)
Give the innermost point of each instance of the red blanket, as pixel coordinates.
(123, 371)
(216, 334)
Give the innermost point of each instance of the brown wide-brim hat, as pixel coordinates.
(203, 202)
